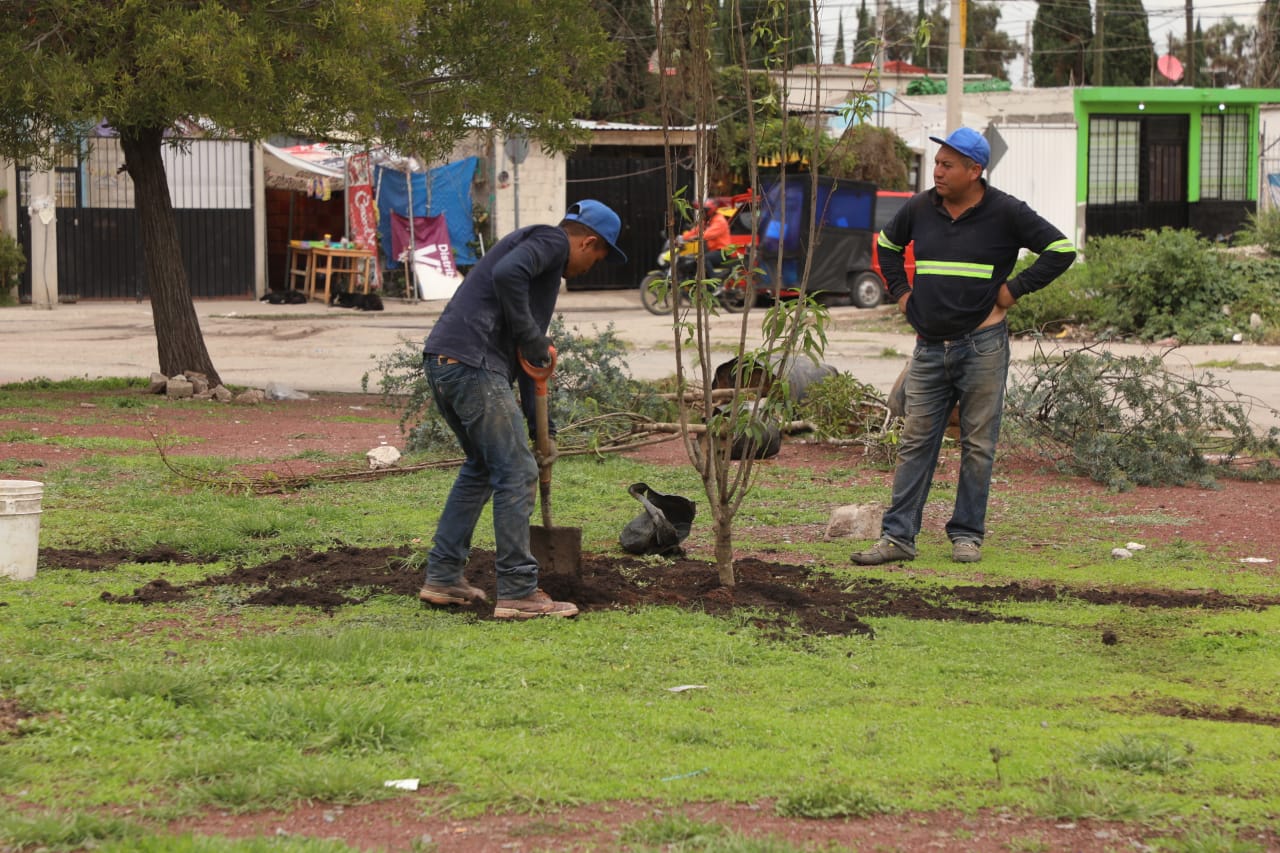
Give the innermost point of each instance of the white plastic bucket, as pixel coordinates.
(19, 528)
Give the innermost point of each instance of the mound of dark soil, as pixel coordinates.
(774, 596)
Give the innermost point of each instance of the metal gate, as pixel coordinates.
(99, 246)
(1143, 187)
(635, 187)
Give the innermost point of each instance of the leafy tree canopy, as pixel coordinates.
(405, 71)
(409, 73)
(1061, 35)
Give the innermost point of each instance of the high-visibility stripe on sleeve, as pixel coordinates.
(954, 268)
(886, 243)
(1063, 245)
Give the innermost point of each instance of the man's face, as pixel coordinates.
(584, 253)
(953, 173)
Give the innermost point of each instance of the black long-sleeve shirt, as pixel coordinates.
(507, 299)
(961, 263)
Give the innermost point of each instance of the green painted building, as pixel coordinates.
(1168, 156)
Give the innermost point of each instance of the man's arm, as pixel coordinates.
(511, 277)
(1055, 250)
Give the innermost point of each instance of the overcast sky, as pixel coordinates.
(1164, 16)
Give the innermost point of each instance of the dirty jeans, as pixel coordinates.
(970, 370)
(481, 409)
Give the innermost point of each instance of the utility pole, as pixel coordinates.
(1191, 48)
(879, 63)
(955, 63)
(1026, 61)
(1099, 47)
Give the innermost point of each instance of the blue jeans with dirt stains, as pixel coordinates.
(970, 370)
(481, 409)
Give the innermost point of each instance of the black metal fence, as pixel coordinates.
(99, 247)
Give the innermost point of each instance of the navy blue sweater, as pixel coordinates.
(961, 263)
(506, 299)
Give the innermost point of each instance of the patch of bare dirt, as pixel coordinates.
(418, 821)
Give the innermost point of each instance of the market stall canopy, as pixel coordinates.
(313, 169)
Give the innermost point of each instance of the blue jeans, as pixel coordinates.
(970, 370)
(481, 409)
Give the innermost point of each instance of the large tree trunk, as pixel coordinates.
(178, 339)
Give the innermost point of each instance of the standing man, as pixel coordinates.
(967, 239)
(501, 311)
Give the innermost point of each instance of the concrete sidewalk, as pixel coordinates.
(318, 348)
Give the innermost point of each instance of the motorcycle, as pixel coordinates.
(727, 281)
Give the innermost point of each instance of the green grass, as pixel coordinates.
(211, 704)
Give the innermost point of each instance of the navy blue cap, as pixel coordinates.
(600, 218)
(968, 142)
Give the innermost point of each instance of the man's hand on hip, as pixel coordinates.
(902, 302)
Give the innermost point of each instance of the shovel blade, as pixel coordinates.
(557, 549)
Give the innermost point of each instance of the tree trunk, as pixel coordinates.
(178, 338)
(724, 552)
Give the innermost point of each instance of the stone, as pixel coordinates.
(252, 397)
(158, 383)
(198, 380)
(384, 456)
(858, 521)
(1255, 320)
(1121, 553)
(222, 394)
(178, 388)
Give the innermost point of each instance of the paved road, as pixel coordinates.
(317, 348)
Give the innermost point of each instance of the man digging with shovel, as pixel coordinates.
(500, 314)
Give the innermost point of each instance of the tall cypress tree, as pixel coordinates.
(837, 57)
(1129, 53)
(863, 47)
(1061, 35)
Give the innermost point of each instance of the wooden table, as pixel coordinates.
(321, 271)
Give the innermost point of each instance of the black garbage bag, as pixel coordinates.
(664, 524)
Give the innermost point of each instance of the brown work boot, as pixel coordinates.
(455, 593)
(531, 606)
(884, 551)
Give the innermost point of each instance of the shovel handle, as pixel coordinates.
(542, 424)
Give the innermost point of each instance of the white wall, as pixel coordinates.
(1040, 169)
(539, 181)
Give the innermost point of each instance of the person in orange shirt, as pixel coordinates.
(713, 228)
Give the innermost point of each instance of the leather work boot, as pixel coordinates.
(883, 551)
(533, 606)
(455, 593)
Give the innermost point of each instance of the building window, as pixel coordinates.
(1113, 159)
(1224, 156)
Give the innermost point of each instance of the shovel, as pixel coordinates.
(557, 549)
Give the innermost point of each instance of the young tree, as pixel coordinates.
(1061, 34)
(756, 33)
(409, 73)
(1128, 55)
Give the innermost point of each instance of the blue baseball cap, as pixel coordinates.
(600, 218)
(968, 142)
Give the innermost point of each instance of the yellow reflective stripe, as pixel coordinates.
(886, 243)
(1063, 245)
(954, 268)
